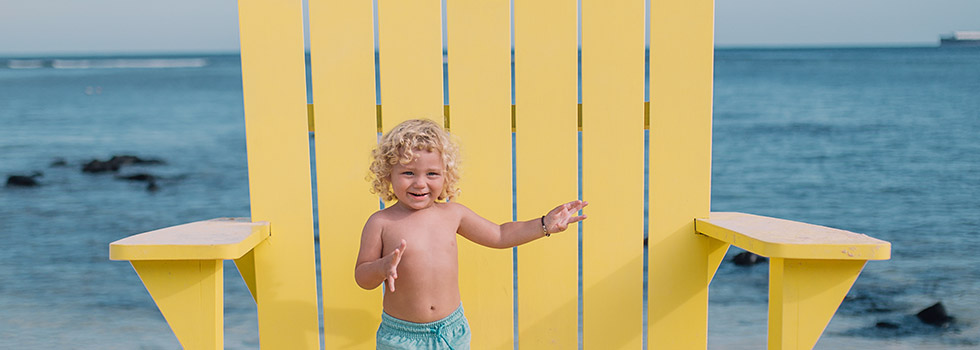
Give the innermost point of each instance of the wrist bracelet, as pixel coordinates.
(544, 227)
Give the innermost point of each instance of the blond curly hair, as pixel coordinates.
(399, 146)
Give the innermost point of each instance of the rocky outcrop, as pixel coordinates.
(24, 180)
(150, 179)
(115, 163)
(748, 259)
(935, 315)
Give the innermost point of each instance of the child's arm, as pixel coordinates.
(484, 232)
(372, 268)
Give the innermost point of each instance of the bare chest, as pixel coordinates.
(432, 233)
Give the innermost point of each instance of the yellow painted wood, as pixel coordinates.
(803, 296)
(342, 60)
(812, 267)
(246, 268)
(274, 91)
(479, 98)
(681, 63)
(545, 38)
(189, 294)
(215, 239)
(410, 35)
(716, 253)
(779, 238)
(612, 139)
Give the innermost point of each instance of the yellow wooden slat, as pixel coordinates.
(342, 60)
(681, 54)
(612, 159)
(479, 79)
(545, 38)
(410, 34)
(274, 91)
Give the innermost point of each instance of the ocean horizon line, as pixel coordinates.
(191, 53)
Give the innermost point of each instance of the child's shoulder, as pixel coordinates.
(451, 206)
(382, 215)
(456, 209)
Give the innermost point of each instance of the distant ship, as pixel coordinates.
(961, 39)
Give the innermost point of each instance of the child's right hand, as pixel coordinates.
(391, 265)
(558, 219)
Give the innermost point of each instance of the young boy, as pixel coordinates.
(416, 163)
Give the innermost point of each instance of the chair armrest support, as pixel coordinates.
(811, 269)
(181, 266)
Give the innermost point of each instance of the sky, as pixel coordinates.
(61, 27)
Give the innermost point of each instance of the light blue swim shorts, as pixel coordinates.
(450, 333)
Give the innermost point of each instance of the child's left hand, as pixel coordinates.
(558, 219)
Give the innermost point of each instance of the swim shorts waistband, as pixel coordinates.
(415, 330)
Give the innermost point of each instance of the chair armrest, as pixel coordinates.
(215, 239)
(778, 238)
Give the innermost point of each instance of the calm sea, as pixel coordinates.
(876, 141)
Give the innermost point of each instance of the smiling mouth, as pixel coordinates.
(418, 195)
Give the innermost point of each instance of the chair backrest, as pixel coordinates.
(528, 142)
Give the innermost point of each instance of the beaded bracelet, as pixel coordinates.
(544, 227)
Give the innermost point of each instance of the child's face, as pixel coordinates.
(418, 183)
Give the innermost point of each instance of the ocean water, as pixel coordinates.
(876, 141)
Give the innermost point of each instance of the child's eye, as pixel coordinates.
(433, 174)
(409, 173)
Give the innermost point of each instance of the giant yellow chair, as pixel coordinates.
(527, 147)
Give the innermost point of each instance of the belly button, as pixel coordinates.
(432, 307)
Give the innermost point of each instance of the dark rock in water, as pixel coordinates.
(126, 160)
(24, 180)
(59, 162)
(98, 166)
(747, 259)
(138, 177)
(151, 186)
(150, 179)
(886, 325)
(115, 163)
(935, 315)
(21, 181)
